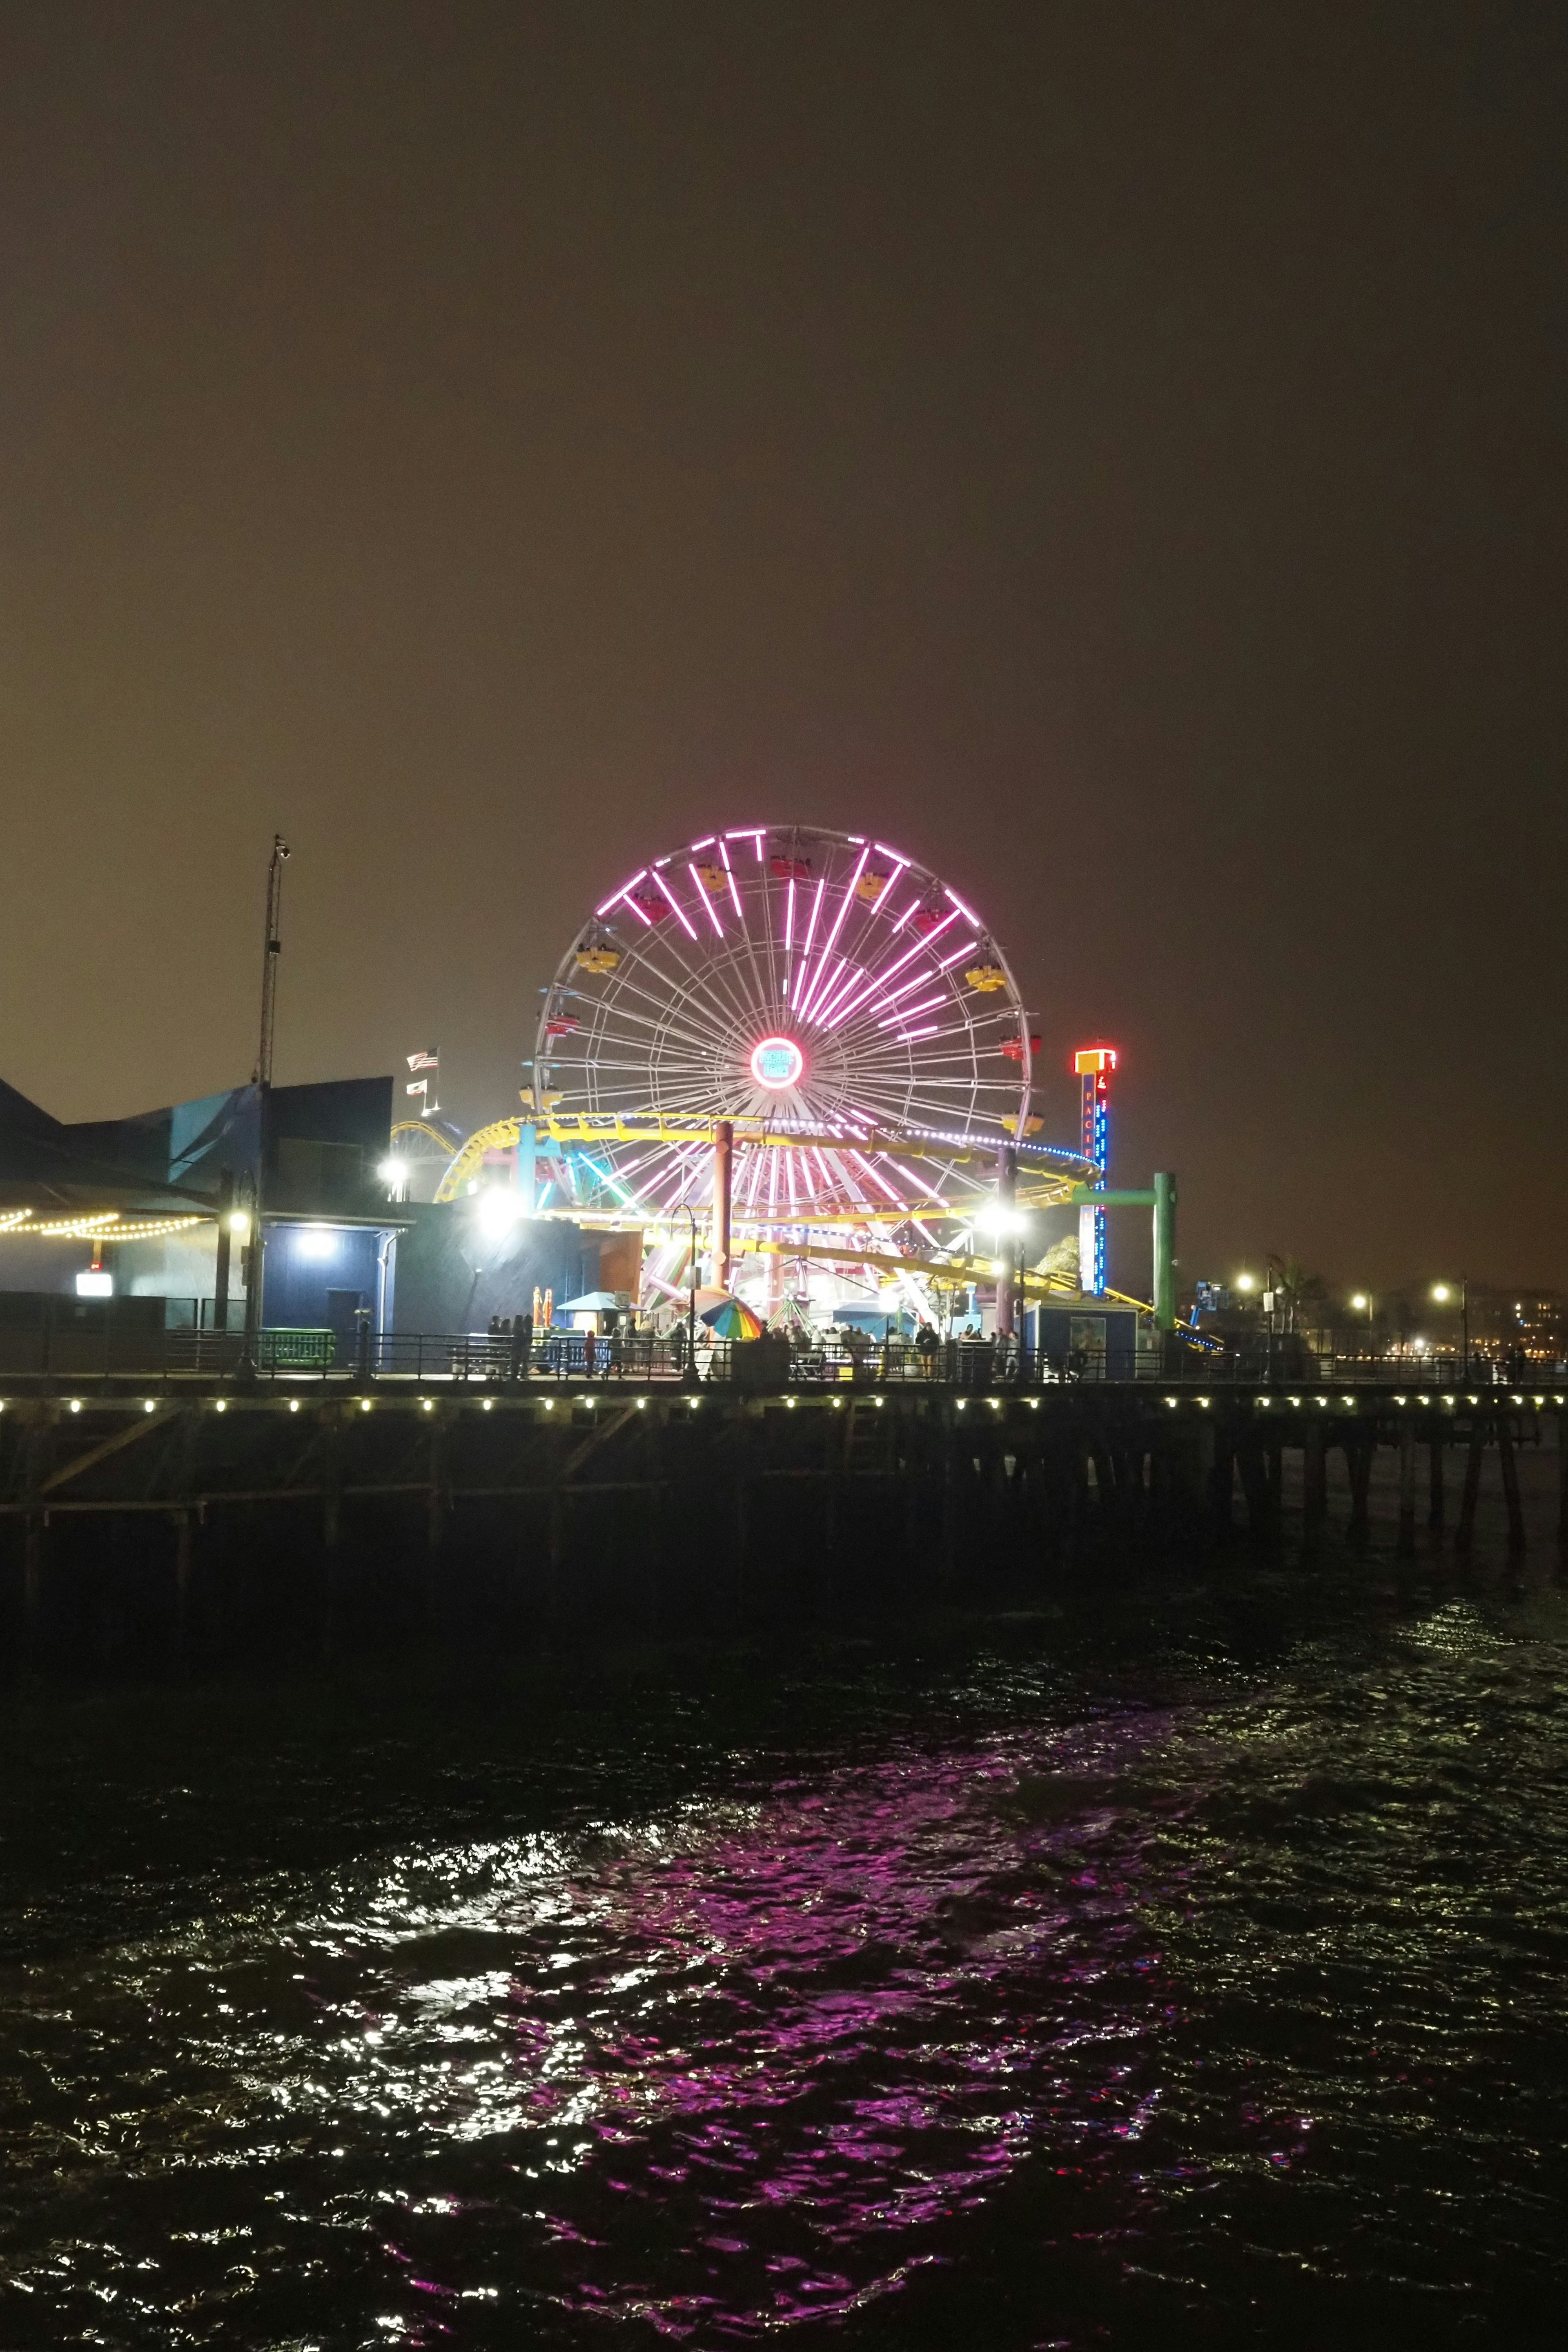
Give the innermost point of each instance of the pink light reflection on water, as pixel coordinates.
(806, 2042)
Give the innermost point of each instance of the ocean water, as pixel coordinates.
(1177, 1960)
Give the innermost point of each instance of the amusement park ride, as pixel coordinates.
(790, 1046)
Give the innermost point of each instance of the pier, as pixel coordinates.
(201, 1516)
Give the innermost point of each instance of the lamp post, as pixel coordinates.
(689, 1378)
(1005, 1218)
(1442, 1292)
(1363, 1304)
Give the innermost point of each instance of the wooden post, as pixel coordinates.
(1255, 1488)
(437, 1503)
(331, 1526)
(32, 1579)
(1105, 1480)
(1358, 1462)
(657, 1553)
(830, 1524)
(1562, 1478)
(1221, 1488)
(1435, 1486)
(1508, 1462)
(1406, 1491)
(1466, 1527)
(557, 1539)
(949, 1502)
(741, 1531)
(1314, 1482)
(35, 1468)
(184, 1521)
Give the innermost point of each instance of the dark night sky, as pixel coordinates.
(1115, 453)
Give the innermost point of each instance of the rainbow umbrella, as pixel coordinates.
(731, 1318)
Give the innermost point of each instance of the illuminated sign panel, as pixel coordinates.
(777, 1061)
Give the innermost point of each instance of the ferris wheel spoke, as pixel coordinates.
(647, 1028)
(715, 980)
(697, 977)
(654, 982)
(759, 919)
(655, 1014)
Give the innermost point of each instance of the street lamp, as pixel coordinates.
(1442, 1292)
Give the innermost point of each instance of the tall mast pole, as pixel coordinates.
(254, 1255)
(269, 961)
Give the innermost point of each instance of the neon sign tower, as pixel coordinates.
(1094, 1064)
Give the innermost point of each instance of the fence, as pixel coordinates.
(770, 1365)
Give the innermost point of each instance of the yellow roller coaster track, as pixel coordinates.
(422, 1127)
(962, 1269)
(468, 1158)
(501, 1133)
(1037, 1188)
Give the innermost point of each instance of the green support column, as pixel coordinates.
(1164, 1285)
(527, 1166)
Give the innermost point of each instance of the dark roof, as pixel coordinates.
(43, 1165)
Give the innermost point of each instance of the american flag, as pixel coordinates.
(425, 1061)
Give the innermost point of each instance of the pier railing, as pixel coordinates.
(773, 1365)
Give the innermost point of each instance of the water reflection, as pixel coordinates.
(740, 2066)
(1150, 1994)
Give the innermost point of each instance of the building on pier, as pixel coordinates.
(102, 1213)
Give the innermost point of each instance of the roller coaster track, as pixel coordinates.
(1037, 1187)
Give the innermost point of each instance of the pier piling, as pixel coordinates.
(1406, 1490)
(543, 1510)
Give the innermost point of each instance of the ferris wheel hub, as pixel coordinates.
(777, 1063)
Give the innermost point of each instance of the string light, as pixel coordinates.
(100, 1224)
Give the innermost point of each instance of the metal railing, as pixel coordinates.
(562, 1359)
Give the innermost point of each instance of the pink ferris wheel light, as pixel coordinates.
(817, 982)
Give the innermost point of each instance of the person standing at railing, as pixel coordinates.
(522, 1346)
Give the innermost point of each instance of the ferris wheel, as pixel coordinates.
(836, 1001)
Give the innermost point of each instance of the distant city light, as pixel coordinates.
(1441, 1293)
(1361, 1302)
